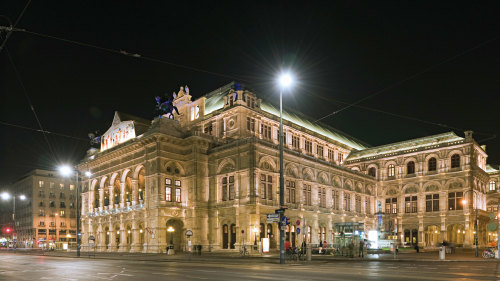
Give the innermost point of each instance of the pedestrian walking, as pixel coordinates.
(362, 248)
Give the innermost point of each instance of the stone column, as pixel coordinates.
(101, 198)
(91, 201)
(123, 239)
(134, 247)
(122, 195)
(135, 195)
(111, 197)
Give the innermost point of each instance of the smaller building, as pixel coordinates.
(47, 218)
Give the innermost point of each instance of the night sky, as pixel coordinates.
(435, 62)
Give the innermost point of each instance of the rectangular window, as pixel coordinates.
(61, 195)
(52, 204)
(432, 202)
(168, 189)
(307, 195)
(410, 204)
(341, 157)
(52, 195)
(295, 142)
(347, 202)
(228, 192)
(358, 203)
(178, 195)
(71, 187)
(266, 131)
(61, 186)
(41, 193)
(62, 213)
(250, 124)
(367, 205)
(40, 183)
(266, 187)
(331, 155)
(62, 205)
(391, 205)
(319, 151)
(177, 183)
(455, 201)
(336, 199)
(290, 192)
(308, 146)
(322, 197)
(168, 193)
(231, 188)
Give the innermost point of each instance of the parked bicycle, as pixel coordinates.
(489, 254)
(244, 251)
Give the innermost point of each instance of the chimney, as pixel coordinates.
(468, 135)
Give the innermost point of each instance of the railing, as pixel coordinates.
(117, 210)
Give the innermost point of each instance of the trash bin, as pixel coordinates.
(442, 252)
(309, 253)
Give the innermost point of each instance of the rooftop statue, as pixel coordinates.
(165, 107)
(181, 92)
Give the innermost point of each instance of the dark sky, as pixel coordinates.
(433, 61)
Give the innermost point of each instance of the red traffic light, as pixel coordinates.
(8, 230)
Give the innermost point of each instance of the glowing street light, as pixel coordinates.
(285, 81)
(67, 171)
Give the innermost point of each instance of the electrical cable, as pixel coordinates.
(13, 26)
(42, 131)
(393, 85)
(31, 104)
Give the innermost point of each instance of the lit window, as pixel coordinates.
(266, 131)
(266, 186)
(432, 202)
(178, 195)
(168, 190)
(228, 192)
(410, 204)
(336, 199)
(195, 112)
(40, 183)
(308, 146)
(455, 201)
(391, 170)
(493, 186)
(290, 191)
(319, 151)
(250, 124)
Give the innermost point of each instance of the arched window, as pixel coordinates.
(391, 170)
(455, 161)
(493, 186)
(432, 164)
(372, 172)
(410, 168)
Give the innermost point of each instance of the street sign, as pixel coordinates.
(279, 211)
(189, 233)
(297, 222)
(273, 218)
(284, 220)
(298, 230)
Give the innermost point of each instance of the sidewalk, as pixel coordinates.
(461, 255)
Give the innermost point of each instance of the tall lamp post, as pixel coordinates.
(285, 81)
(67, 171)
(6, 196)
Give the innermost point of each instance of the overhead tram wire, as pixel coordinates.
(9, 32)
(42, 131)
(134, 55)
(395, 84)
(489, 134)
(31, 104)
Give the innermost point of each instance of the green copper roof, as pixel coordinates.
(490, 169)
(413, 144)
(215, 100)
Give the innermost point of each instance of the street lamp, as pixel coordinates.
(285, 80)
(67, 171)
(171, 230)
(6, 196)
(476, 252)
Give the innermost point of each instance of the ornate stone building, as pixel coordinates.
(215, 170)
(429, 189)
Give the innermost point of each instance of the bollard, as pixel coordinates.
(442, 252)
(309, 253)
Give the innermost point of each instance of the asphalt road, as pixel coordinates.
(29, 267)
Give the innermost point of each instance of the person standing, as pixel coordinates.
(362, 248)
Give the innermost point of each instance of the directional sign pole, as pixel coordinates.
(282, 183)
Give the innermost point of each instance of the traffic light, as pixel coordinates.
(8, 230)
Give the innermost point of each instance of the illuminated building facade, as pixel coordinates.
(47, 218)
(215, 170)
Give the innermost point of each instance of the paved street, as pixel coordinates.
(33, 267)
